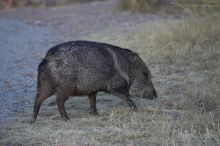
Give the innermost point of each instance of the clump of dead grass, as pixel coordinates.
(139, 5)
(150, 6)
(173, 7)
(202, 6)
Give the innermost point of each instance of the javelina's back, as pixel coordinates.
(84, 67)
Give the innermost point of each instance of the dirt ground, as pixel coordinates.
(26, 35)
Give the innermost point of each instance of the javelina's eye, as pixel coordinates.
(145, 76)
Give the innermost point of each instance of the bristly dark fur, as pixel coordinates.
(85, 68)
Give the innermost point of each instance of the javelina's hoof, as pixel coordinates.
(65, 118)
(94, 113)
(32, 120)
(134, 108)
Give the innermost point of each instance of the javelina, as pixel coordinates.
(85, 68)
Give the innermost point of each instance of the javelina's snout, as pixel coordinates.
(150, 95)
(154, 94)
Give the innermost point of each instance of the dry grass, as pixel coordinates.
(183, 56)
(139, 5)
(150, 6)
(202, 6)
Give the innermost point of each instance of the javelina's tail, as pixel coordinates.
(44, 87)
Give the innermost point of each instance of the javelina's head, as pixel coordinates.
(141, 85)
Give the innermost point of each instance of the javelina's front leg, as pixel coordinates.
(131, 103)
(92, 100)
(125, 97)
(60, 103)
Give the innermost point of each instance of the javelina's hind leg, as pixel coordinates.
(92, 100)
(38, 101)
(60, 103)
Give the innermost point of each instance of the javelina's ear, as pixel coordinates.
(134, 56)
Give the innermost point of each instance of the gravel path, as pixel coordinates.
(72, 22)
(19, 57)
